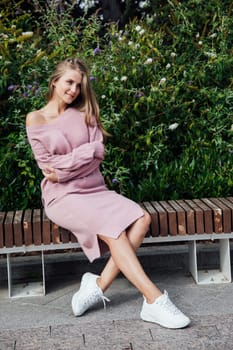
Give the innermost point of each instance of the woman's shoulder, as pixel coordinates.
(35, 118)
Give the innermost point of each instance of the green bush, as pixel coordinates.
(164, 85)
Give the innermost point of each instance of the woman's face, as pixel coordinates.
(68, 87)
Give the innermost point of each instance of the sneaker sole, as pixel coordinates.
(151, 320)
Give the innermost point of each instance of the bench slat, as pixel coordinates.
(154, 219)
(65, 235)
(216, 215)
(163, 221)
(55, 233)
(2, 218)
(229, 205)
(36, 225)
(180, 216)
(18, 228)
(199, 217)
(27, 227)
(189, 216)
(73, 238)
(207, 214)
(226, 215)
(46, 228)
(8, 229)
(171, 215)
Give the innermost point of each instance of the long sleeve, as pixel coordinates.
(80, 162)
(95, 135)
(85, 170)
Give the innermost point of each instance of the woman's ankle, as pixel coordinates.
(153, 298)
(100, 284)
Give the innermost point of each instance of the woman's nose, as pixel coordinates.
(73, 88)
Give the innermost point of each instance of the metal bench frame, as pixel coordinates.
(189, 221)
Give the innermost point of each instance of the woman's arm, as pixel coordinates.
(80, 162)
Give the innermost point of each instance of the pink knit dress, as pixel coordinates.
(80, 200)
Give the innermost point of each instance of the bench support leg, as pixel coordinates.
(9, 275)
(27, 289)
(222, 275)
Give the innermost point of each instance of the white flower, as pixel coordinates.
(200, 42)
(27, 33)
(0, 57)
(142, 31)
(103, 96)
(143, 4)
(197, 35)
(173, 126)
(162, 81)
(138, 28)
(133, 57)
(124, 78)
(130, 43)
(149, 19)
(173, 54)
(115, 78)
(168, 66)
(148, 61)
(211, 54)
(213, 35)
(120, 38)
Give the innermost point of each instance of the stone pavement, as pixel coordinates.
(47, 322)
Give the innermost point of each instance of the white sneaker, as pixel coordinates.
(88, 295)
(164, 312)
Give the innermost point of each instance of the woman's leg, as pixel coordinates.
(135, 234)
(157, 307)
(126, 261)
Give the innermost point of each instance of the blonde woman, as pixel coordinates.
(66, 137)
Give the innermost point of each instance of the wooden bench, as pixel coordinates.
(189, 221)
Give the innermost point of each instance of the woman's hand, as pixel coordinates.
(50, 174)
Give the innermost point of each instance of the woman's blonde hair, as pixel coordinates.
(86, 100)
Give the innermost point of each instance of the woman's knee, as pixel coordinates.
(146, 220)
(110, 240)
(140, 227)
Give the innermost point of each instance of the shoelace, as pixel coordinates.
(167, 303)
(104, 299)
(95, 297)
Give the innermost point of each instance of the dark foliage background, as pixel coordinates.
(162, 72)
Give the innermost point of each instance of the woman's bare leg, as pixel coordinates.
(135, 234)
(156, 308)
(125, 259)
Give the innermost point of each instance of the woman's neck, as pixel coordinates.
(53, 109)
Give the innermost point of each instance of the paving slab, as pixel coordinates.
(47, 322)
